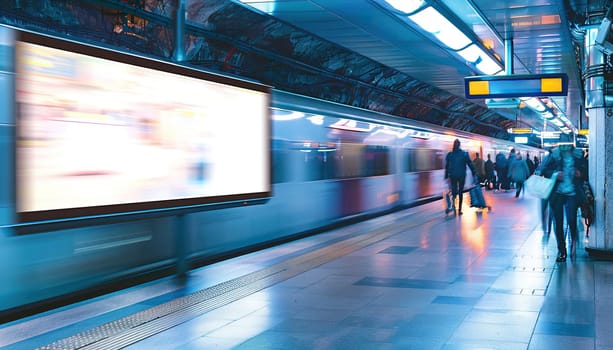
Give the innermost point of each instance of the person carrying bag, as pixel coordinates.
(539, 186)
(455, 172)
(568, 168)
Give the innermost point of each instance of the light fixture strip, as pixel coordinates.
(430, 20)
(407, 7)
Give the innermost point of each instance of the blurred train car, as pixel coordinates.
(331, 163)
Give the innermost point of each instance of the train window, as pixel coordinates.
(357, 160)
(350, 161)
(424, 160)
(280, 163)
(319, 164)
(439, 160)
(376, 160)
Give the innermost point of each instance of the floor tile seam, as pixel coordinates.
(551, 270)
(353, 243)
(480, 338)
(356, 230)
(464, 320)
(510, 265)
(597, 327)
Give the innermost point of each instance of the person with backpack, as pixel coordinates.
(455, 172)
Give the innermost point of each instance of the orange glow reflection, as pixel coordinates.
(550, 19)
(476, 239)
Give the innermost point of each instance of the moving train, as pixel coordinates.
(331, 163)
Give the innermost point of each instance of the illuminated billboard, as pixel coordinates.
(101, 132)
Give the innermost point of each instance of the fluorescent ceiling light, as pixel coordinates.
(557, 122)
(406, 6)
(471, 53)
(535, 103)
(488, 65)
(547, 115)
(552, 40)
(262, 5)
(482, 61)
(433, 22)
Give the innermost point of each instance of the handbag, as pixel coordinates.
(539, 186)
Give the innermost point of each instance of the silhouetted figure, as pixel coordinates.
(455, 170)
(568, 167)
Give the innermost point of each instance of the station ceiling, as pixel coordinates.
(354, 52)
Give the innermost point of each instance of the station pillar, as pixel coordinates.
(599, 107)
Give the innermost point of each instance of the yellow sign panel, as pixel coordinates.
(584, 132)
(479, 87)
(520, 131)
(551, 84)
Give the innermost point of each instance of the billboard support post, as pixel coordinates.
(181, 244)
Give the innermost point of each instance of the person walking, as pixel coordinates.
(546, 212)
(568, 167)
(478, 163)
(531, 165)
(490, 177)
(455, 172)
(501, 171)
(510, 159)
(518, 173)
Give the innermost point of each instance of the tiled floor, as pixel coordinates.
(415, 279)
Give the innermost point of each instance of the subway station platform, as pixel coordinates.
(414, 279)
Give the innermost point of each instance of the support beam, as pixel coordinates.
(179, 52)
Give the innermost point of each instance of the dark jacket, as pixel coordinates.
(531, 165)
(456, 163)
(501, 162)
(489, 168)
(554, 163)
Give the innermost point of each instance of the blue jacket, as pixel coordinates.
(518, 170)
(501, 162)
(554, 163)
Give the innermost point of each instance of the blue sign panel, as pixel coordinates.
(503, 86)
